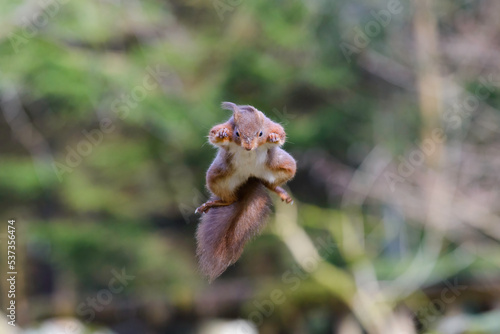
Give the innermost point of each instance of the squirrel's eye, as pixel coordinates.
(237, 134)
(260, 134)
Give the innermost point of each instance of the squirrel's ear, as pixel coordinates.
(237, 115)
(229, 106)
(234, 108)
(251, 108)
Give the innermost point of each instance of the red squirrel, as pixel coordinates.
(248, 161)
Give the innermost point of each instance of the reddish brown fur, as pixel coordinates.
(232, 216)
(217, 172)
(223, 231)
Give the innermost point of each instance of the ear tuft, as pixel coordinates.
(248, 108)
(229, 106)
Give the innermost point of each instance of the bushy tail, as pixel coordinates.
(224, 230)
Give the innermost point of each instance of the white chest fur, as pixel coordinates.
(249, 163)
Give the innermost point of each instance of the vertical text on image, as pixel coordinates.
(11, 272)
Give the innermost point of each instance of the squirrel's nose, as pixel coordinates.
(248, 148)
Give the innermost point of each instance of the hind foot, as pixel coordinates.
(282, 194)
(286, 198)
(211, 204)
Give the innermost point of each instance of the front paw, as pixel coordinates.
(274, 138)
(220, 134)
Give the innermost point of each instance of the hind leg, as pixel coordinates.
(281, 193)
(211, 204)
(283, 167)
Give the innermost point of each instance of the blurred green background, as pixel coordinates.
(390, 108)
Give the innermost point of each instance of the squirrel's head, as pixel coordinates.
(249, 130)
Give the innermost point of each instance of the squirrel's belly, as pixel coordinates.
(250, 164)
(236, 180)
(265, 174)
(239, 178)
